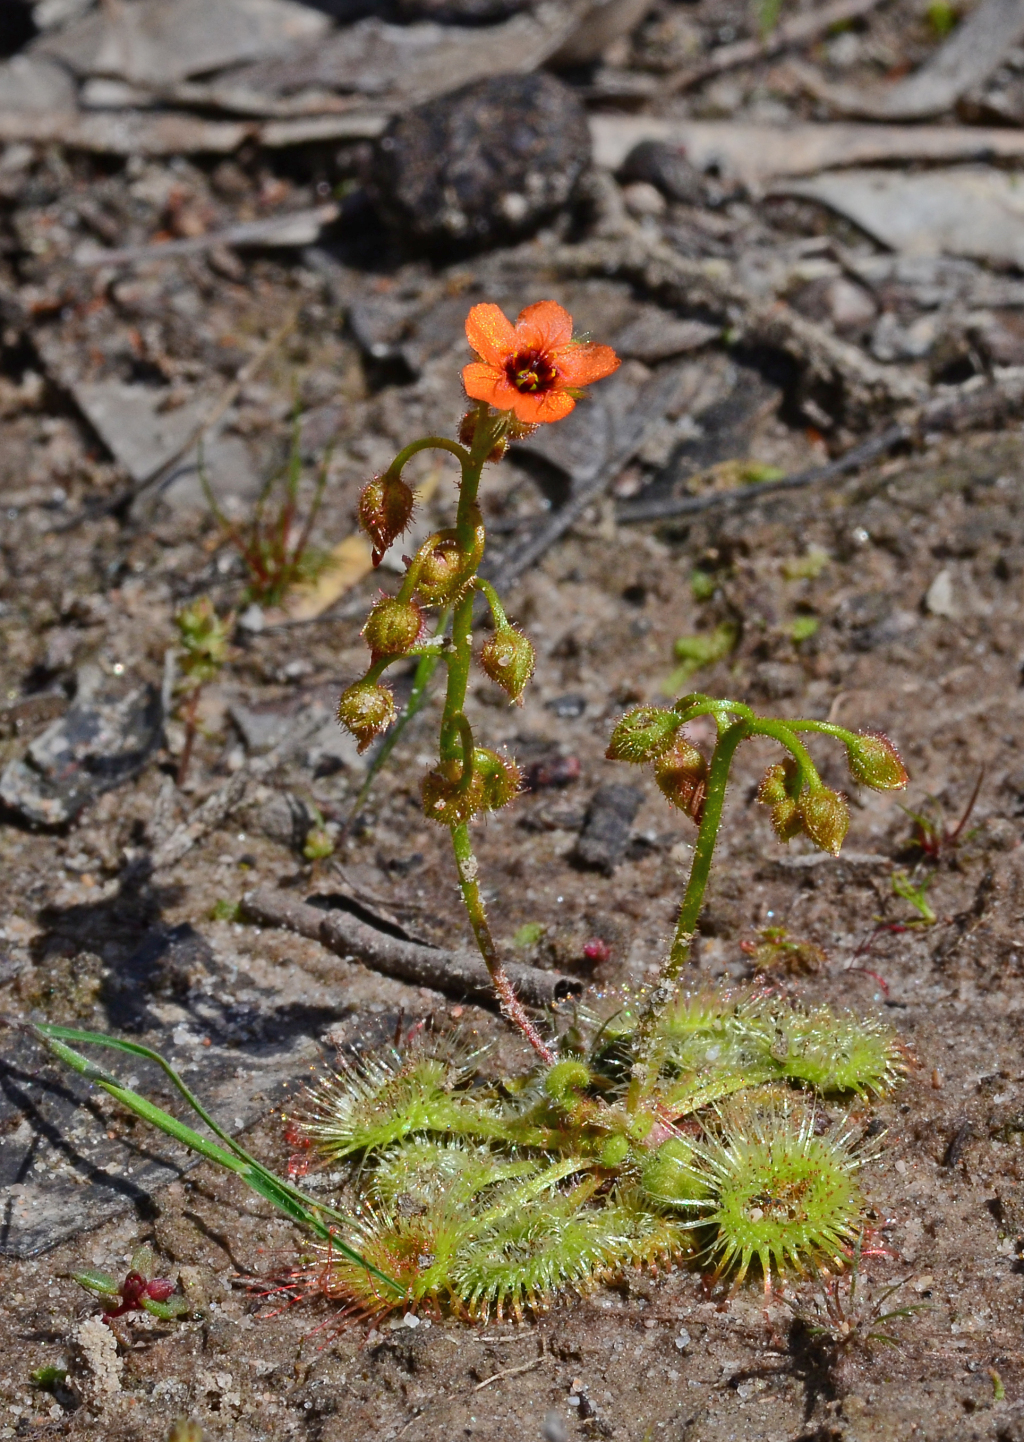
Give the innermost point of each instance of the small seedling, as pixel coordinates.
(702, 584)
(140, 1291)
(847, 1315)
(695, 652)
(931, 835)
(203, 639)
(274, 543)
(225, 910)
(904, 887)
(776, 952)
(942, 18)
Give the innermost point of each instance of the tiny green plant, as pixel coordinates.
(203, 640)
(524, 376)
(776, 951)
(917, 894)
(930, 834)
(139, 1291)
(695, 652)
(274, 542)
(848, 1315)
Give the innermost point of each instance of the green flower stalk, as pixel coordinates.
(524, 375)
(203, 638)
(799, 802)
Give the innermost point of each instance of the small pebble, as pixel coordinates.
(683, 1340)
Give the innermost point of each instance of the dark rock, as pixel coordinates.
(605, 834)
(105, 739)
(485, 164)
(666, 167)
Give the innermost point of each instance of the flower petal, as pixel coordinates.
(543, 327)
(488, 383)
(542, 409)
(581, 364)
(490, 333)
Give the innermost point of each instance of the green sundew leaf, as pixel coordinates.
(803, 628)
(702, 585)
(696, 652)
(167, 1311)
(529, 934)
(99, 1283)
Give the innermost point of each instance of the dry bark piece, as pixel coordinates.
(757, 154)
(158, 42)
(976, 48)
(298, 228)
(795, 31)
(485, 164)
(458, 973)
(605, 835)
(974, 211)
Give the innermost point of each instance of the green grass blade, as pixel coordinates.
(233, 1158)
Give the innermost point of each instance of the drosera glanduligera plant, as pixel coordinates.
(678, 1125)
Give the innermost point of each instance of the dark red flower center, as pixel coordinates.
(531, 372)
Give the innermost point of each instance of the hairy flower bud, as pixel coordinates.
(787, 820)
(444, 567)
(508, 658)
(501, 780)
(682, 778)
(643, 734)
(874, 761)
(366, 709)
(826, 819)
(385, 510)
(494, 783)
(445, 799)
(393, 627)
(772, 787)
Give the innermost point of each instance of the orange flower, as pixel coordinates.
(533, 368)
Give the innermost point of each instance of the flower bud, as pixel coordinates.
(642, 735)
(826, 819)
(874, 761)
(508, 658)
(682, 777)
(501, 780)
(772, 787)
(393, 627)
(385, 510)
(444, 568)
(366, 709)
(445, 800)
(467, 435)
(566, 1079)
(787, 820)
